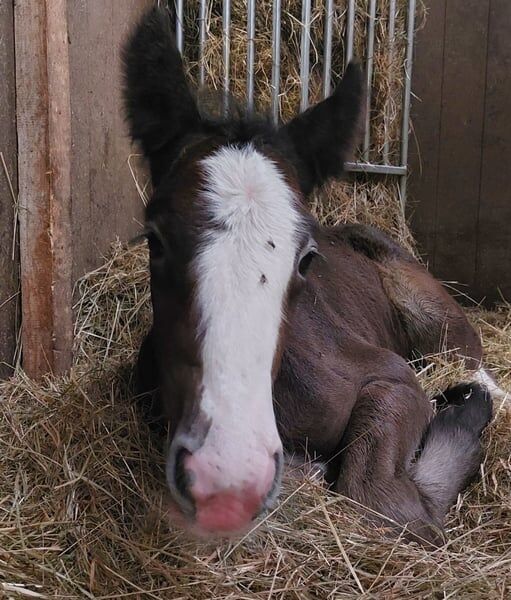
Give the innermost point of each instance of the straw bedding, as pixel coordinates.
(82, 495)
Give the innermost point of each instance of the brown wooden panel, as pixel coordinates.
(105, 201)
(75, 191)
(425, 142)
(493, 266)
(35, 243)
(44, 148)
(464, 75)
(9, 297)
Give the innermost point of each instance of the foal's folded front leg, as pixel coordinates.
(405, 467)
(377, 451)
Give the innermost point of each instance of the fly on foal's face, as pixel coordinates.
(230, 243)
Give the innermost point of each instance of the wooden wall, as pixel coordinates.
(75, 189)
(460, 187)
(105, 203)
(9, 297)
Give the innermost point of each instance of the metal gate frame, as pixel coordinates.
(384, 166)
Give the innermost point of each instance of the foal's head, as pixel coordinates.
(230, 244)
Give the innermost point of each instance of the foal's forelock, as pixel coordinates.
(243, 269)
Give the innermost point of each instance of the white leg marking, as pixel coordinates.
(484, 378)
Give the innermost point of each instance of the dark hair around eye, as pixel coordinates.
(306, 261)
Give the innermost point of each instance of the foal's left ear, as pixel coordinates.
(324, 136)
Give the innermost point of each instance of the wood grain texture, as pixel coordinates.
(460, 201)
(76, 192)
(461, 136)
(493, 263)
(34, 217)
(425, 143)
(9, 264)
(42, 104)
(59, 150)
(105, 201)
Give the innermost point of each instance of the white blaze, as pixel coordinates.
(243, 270)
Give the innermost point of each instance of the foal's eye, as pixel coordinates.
(156, 248)
(306, 260)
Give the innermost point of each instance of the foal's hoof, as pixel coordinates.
(466, 405)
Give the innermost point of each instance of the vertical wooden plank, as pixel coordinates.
(42, 104)
(425, 141)
(105, 201)
(35, 243)
(493, 270)
(9, 297)
(76, 193)
(464, 75)
(59, 154)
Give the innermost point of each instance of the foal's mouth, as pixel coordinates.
(228, 515)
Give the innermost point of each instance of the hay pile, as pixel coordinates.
(82, 500)
(374, 199)
(387, 83)
(82, 495)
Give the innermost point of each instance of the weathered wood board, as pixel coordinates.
(9, 296)
(460, 186)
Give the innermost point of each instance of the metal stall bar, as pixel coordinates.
(250, 54)
(304, 54)
(360, 167)
(369, 78)
(407, 98)
(202, 41)
(327, 60)
(391, 35)
(350, 30)
(226, 49)
(179, 25)
(305, 42)
(275, 67)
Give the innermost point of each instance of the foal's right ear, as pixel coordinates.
(159, 106)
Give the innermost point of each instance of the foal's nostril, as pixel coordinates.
(182, 476)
